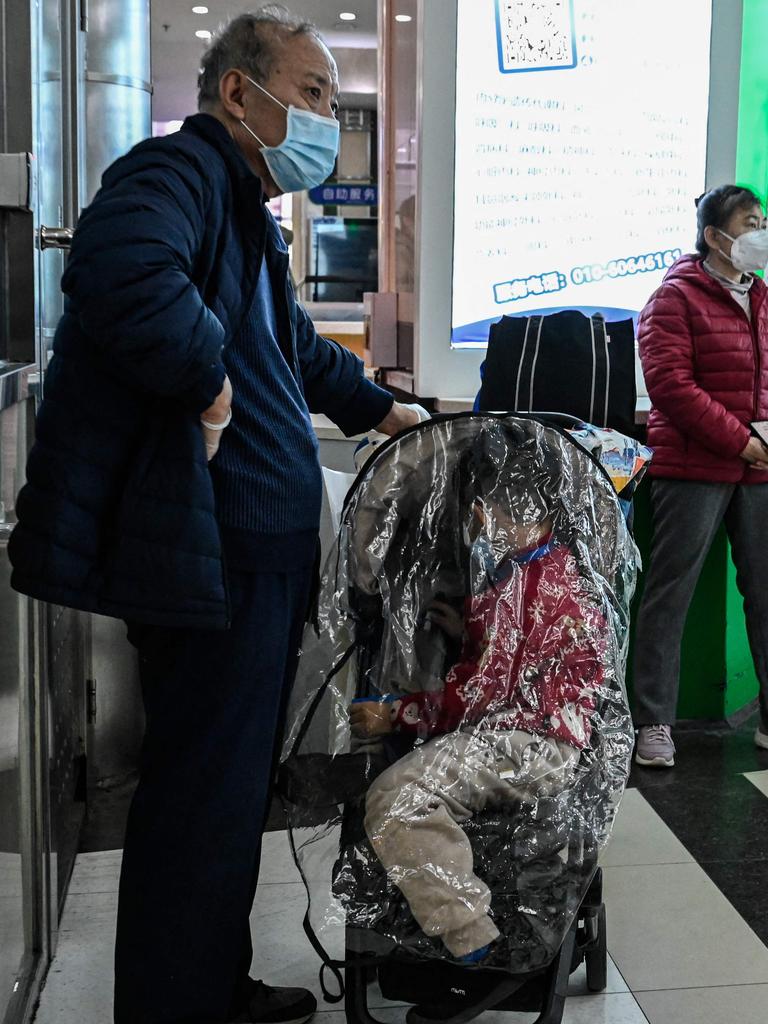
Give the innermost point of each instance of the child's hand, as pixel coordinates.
(371, 718)
(447, 618)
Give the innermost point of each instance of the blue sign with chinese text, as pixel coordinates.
(345, 195)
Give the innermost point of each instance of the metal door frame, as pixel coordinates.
(34, 832)
(23, 343)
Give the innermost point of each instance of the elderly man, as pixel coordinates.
(175, 483)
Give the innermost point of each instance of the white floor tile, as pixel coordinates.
(89, 914)
(78, 989)
(671, 932)
(281, 953)
(96, 872)
(739, 1004)
(10, 875)
(600, 1009)
(641, 837)
(283, 956)
(277, 863)
(759, 779)
(577, 984)
(669, 927)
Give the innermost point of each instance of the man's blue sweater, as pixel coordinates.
(266, 474)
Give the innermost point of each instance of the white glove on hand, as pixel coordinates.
(373, 438)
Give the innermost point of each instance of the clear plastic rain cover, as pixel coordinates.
(459, 737)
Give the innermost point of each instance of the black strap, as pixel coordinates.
(598, 411)
(309, 931)
(320, 694)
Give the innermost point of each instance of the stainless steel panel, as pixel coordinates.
(52, 146)
(123, 116)
(114, 738)
(14, 382)
(17, 251)
(66, 729)
(118, 104)
(40, 79)
(12, 925)
(118, 37)
(19, 931)
(15, 180)
(117, 83)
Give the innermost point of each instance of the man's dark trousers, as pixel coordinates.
(215, 705)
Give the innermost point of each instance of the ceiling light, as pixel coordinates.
(403, 17)
(199, 10)
(348, 16)
(203, 33)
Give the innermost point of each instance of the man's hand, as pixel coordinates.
(756, 454)
(371, 718)
(399, 417)
(216, 413)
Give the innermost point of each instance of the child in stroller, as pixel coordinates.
(473, 616)
(513, 715)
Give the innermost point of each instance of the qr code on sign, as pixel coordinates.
(535, 35)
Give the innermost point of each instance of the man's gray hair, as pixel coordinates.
(248, 42)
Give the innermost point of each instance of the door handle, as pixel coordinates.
(56, 238)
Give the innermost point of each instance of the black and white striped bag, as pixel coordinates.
(564, 362)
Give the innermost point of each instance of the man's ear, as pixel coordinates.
(232, 85)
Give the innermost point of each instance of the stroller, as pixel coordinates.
(459, 738)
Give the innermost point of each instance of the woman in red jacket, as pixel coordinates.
(704, 348)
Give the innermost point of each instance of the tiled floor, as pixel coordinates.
(681, 953)
(11, 921)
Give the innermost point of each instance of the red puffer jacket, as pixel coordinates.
(706, 368)
(533, 654)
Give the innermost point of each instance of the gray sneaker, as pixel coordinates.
(761, 737)
(655, 748)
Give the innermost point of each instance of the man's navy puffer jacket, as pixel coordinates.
(118, 515)
(706, 367)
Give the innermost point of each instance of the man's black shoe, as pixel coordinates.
(270, 1005)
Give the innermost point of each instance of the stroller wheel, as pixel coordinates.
(596, 958)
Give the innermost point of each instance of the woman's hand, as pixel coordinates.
(218, 413)
(756, 454)
(371, 718)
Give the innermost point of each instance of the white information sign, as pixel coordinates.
(581, 131)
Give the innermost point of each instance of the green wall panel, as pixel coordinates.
(752, 139)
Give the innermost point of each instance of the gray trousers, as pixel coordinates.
(686, 517)
(413, 811)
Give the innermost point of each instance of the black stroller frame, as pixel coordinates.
(469, 990)
(544, 992)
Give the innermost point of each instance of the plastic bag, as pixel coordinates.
(458, 737)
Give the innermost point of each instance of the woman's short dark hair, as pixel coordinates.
(715, 208)
(249, 42)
